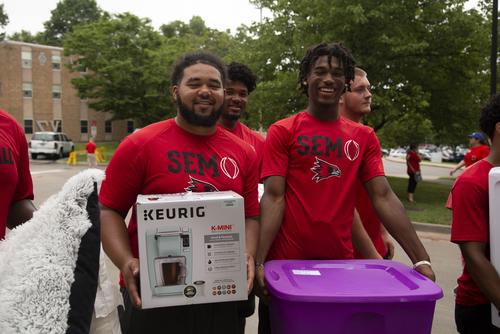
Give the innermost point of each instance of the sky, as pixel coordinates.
(219, 14)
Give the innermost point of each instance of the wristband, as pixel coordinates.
(419, 263)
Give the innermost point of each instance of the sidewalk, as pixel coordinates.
(447, 165)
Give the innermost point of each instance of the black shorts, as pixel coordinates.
(474, 319)
(217, 318)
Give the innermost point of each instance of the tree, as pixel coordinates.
(67, 15)
(410, 49)
(4, 19)
(28, 37)
(125, 67)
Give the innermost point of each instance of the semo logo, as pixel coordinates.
(173, 213)
(218, 228)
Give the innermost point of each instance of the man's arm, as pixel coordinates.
(481, 270)
(20, 212)
(392, 214)
(116, 244)
(361, 240)
(251, 240)
(271, 213)
(460, 165)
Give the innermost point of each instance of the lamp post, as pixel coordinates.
(494, 47)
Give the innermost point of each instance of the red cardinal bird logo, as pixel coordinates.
(324, 170)
(199, 186)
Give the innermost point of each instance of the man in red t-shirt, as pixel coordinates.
(241, 82)
(478, 150)
(354, 105)
(90, 148)
(479, 284)
(186, 153)
(16, 206)
(312, 163)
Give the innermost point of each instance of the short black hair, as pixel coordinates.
(201, 57)
(242, 73)
(337, 50)
(490, 116)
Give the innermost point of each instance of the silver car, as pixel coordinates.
(55, 145)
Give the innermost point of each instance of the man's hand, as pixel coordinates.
(250, 272)
(389, 245)
(426, 271)
(260, 287)
(130, 272)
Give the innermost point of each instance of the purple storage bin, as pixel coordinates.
(349, 297)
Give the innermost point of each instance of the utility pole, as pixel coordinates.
(494, 47)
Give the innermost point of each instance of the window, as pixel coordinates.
(108, 127)
(28, 126)
(26, 59)
(56, 91)
(27, 90)
(56, 62)
(84, 126)
(130, 126)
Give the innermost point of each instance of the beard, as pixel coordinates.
(192, 118)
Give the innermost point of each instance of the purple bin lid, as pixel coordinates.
(348, 281)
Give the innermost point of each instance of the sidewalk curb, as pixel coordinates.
(434, 228)
(425, 163)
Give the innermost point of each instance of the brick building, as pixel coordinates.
(35, 87)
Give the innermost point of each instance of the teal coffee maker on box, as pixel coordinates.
(170, 259)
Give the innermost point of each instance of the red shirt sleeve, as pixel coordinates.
(275, 157)
(372, 160)
(485, 151)
(124, 178)
(24, 188)
(469, 213)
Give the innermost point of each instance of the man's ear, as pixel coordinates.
(173, 92)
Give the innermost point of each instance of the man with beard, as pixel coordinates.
(180, 154)
(312, 163)
(354, 105)
(241, 82)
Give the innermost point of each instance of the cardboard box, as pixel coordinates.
(191, 248)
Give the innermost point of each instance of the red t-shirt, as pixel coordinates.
(469, 204)
(321, 162)
(90, 147)
(15, 176)
(475, 154)
(163, 158)
(251, 137)
(370, 221)
(413, 160)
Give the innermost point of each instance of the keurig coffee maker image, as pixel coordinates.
(170, 258)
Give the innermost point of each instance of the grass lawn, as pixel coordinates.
(430, 197)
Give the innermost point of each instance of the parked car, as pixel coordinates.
(55, 145)
(397, 153)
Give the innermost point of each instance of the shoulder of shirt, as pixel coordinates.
(471, 173)
(355, 125)
(254, 133)
(289, 121)
(150, 132)
(6, 117)
(224, 133)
